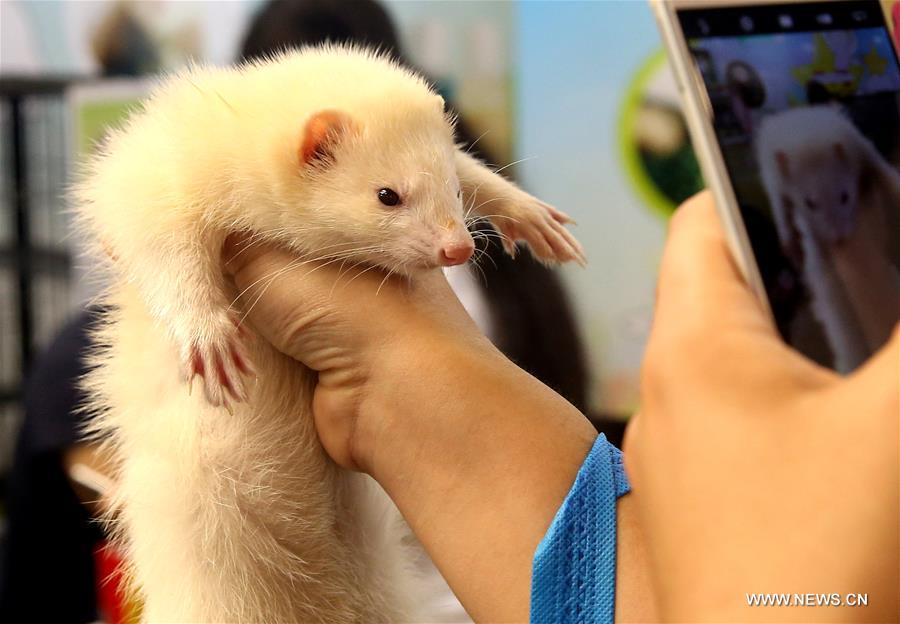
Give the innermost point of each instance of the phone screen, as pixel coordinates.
(805, 102)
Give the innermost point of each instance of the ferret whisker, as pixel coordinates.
(271, 277)
(486, 233)
(476, 264)
(478, 188)
(470, 221)
(474, 197)
(386, 277)
(342, 268)
(498, 235)
(487, 240)
(320, 266)
(276, 274)
(513, 163)
(294, 262)
(350, 268)
(342, 272)
(366, 270)
(473, 143)
(477, 255)
(254, 239)
(225, 102)
(261, 237)
(337, 246)
(499, 216)
(300, 261)
(485, 203)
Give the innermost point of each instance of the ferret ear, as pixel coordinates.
(323, 132)
(784, 168)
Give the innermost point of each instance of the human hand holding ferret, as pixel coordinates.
(356, 329)
(409, 391)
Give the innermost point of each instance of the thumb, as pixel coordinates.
(698, 278)
(277, 301)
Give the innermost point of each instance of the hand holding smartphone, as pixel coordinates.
(794, 111)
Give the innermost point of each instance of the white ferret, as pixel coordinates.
(832, 192)
(227, 506)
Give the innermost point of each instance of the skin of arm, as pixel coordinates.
(477, 454)
(753, 469)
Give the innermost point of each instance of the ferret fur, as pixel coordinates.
(829, 188)
(226, 505)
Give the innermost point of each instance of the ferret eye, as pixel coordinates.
(845, 197)
(459, 194)
(811, 204)
(388, 197)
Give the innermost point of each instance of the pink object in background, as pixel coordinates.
(895, 17)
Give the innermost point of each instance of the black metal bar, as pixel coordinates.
(10, 395)
(19, 86)
(43, 260)
(23, 231)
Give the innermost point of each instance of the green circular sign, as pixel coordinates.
(654, 144)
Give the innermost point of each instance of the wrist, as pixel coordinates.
(408, 380)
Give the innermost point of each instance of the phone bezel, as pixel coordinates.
(698, 115)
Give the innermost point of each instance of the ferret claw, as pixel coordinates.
(223, 369)
(542, 227)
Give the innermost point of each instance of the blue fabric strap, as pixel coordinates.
(574, 570)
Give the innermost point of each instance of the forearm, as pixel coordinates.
(478, 468)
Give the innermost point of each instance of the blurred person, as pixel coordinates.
(122, 45)
(48, 559)
(137, 38)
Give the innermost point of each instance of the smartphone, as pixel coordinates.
(794, 113)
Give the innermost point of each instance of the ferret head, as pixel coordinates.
(821, 187)
(379, 187)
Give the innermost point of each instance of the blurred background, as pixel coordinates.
(575, 98)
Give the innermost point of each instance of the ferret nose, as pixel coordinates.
(457, 252)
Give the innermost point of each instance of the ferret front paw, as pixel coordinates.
(222, 366)
(526, 218)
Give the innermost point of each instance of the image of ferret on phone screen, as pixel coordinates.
(805, 101)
